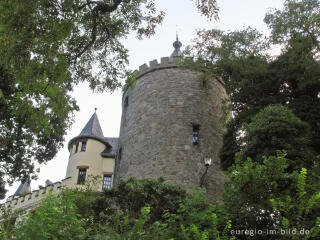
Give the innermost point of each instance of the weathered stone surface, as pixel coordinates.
(156, 128)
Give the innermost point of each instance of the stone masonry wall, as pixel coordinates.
(157, 124)
(32, 200)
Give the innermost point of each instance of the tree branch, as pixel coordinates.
(105, 8)
(97, 10)
(87, 4)
(93, 36)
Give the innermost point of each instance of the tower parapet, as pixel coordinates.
(154, 65)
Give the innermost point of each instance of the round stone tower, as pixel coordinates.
(170, 123)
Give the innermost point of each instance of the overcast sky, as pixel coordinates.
(181, 15)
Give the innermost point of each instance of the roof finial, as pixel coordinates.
(177, 45)
(177, 38)
(95, 110)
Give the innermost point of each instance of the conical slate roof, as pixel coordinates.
(24, 187)
(177, 52)
(92, 128)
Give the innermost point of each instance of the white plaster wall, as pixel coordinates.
(91, 159)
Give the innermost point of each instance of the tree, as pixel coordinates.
(56, 218)
(153, 209)
(274, 102)
(298, 18)
(136, 209)
(264, 195)
(46, 48)
(131, 195)
(254, 79)
(277, 128)
(299, 73)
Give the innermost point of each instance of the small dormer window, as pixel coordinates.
(83, 146)
(195, 134)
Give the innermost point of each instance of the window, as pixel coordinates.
(195, 134)
(82, 175)
(126, 102)
(120, 154)
(77, 146)
(106, 182)
(83, 146)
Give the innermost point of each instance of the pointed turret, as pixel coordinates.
(91, 154)
(92, 128)
(23, 188)
(177, 52)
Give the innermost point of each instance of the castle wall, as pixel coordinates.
(33, 200)
(157, 127)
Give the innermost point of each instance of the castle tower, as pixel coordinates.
(170, 123)
(91, 154)
(23, 188)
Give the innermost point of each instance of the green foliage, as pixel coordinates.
(123, 229)
(208, 8)
(298, 17)
(265, 196)
(298, 72)
(255, 80)
(246, 196)
(130, 81)
(56, 218)
(132, 195)
(135, 209)
(196, 219)
(301, 210)
(276, 128)
(46, 49)
(193, 218)
(7, 222)
(275, 106)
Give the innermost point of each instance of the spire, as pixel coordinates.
(177, 45)
(24, 187)
(93, 127)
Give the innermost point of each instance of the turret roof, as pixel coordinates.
(92, 128)
(24, 187)
(177, 52)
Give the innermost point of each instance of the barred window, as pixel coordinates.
(195, 134)
(82, 175)
(106, 182)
